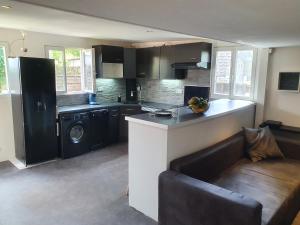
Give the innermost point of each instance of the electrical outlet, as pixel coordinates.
(99, 89)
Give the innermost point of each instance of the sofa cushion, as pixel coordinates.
(261, 144)
(274, 183)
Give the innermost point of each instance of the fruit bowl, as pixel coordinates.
(198, 105)
(199, 109)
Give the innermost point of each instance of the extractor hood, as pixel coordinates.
(192, 65)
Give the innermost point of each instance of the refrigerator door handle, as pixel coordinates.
(45, 107)
(57, 129)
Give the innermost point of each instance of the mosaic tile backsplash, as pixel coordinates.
(171, 91)
(108, 90)
(162, 91)
(71, 99)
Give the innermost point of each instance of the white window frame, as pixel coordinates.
(93, 88)
(83, 88)
(47, 49)
(5, 45)
(233, 50)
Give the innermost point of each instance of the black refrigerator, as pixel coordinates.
(33, 95)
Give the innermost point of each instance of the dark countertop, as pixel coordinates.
(157, 105)
(186, 117)
(87, 107)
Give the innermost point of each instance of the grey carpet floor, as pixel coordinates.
(86, 190)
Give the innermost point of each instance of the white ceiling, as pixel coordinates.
(265, 23)
(30, 17)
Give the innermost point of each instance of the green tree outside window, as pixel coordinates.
(3, 85)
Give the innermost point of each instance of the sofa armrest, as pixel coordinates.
(289, 146)
(187, 201)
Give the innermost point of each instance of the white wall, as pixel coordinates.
(258, 23)
(260, 84)
(282, 106)
(6, 128)
(35, 43)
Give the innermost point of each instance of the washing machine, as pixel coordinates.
(74, 134)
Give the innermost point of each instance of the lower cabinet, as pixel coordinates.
(99, 126)
(117, 125)
(123, 124)
(113, 125)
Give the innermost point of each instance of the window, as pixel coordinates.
(88, 68)
(233, 73)
(3, 69)
(74, 68)
(243, 73)
(222, 74)
(60, 74)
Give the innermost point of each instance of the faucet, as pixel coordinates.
(139, 89)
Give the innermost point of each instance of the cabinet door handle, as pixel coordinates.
(57, 129)
(130, 109)
(115, 115)
(193, 58)
(125, 114)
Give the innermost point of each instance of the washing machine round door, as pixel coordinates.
(76, 133)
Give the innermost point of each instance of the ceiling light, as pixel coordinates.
(6, 6)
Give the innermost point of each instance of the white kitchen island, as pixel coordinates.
(155, 141)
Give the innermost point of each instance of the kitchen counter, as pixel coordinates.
(87, 107)
(151, 106)
(186, 117)
(155, 141)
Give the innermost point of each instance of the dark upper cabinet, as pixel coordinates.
(112, 54)
(166, 64)
(173, 61)
(193, 55)
(114, 62)
(147, 62)
(192, 52)
(167, 58)
(129, 63)
(98, 60)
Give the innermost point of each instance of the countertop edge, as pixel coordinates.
(203, 119)
(187, 123)
(145, 122)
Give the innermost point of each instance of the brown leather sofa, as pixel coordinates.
(221, 186)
